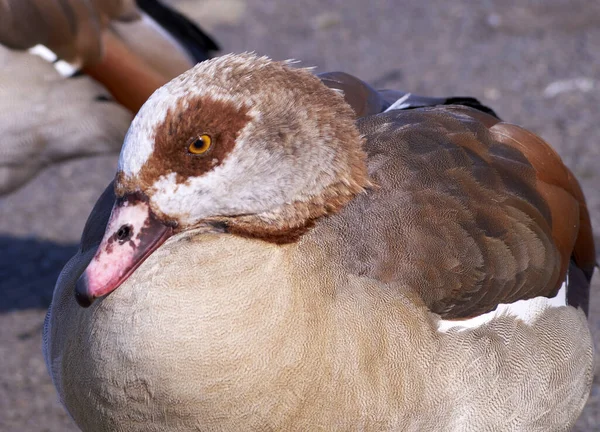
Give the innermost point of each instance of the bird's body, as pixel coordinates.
(415, 275)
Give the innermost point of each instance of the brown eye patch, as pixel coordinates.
(219, 120)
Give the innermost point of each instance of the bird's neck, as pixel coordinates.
(288, 222)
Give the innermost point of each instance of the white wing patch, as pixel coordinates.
(64, 68)
(526, 310)
(400, 103)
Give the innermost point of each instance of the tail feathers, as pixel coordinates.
(400, 100)
(194, 40)
(472, 103)
(365, 100)
(578, 287)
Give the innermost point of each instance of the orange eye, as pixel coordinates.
(200, 145)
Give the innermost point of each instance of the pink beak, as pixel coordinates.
(132, 234)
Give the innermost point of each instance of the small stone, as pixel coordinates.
(491, 93)
(494, 20)
(213, 13)
(582, 84)
(326, 20)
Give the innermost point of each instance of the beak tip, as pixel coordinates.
(82, 296)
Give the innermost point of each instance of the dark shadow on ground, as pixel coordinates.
(28, 271)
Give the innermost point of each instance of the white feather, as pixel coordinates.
(400, 103)
(529, 311)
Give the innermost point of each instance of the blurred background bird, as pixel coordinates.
(115, 54)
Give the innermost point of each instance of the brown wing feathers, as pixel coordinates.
(480, 219)
(570, 222)
(554, 194)
(571, 226)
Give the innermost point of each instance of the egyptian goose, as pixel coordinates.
(46, 118)
(273, 262)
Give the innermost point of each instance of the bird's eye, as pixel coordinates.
(200, 145)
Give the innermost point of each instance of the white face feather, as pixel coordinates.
(240, 185)
(139, 141)
(190, 201)
(283, 152)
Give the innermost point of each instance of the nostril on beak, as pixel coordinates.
(124, 233)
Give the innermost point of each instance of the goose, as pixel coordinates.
(267, 259)
(46, 118)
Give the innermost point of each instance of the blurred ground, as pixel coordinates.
(537, 63)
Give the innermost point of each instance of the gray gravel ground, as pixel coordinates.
(536, 62)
